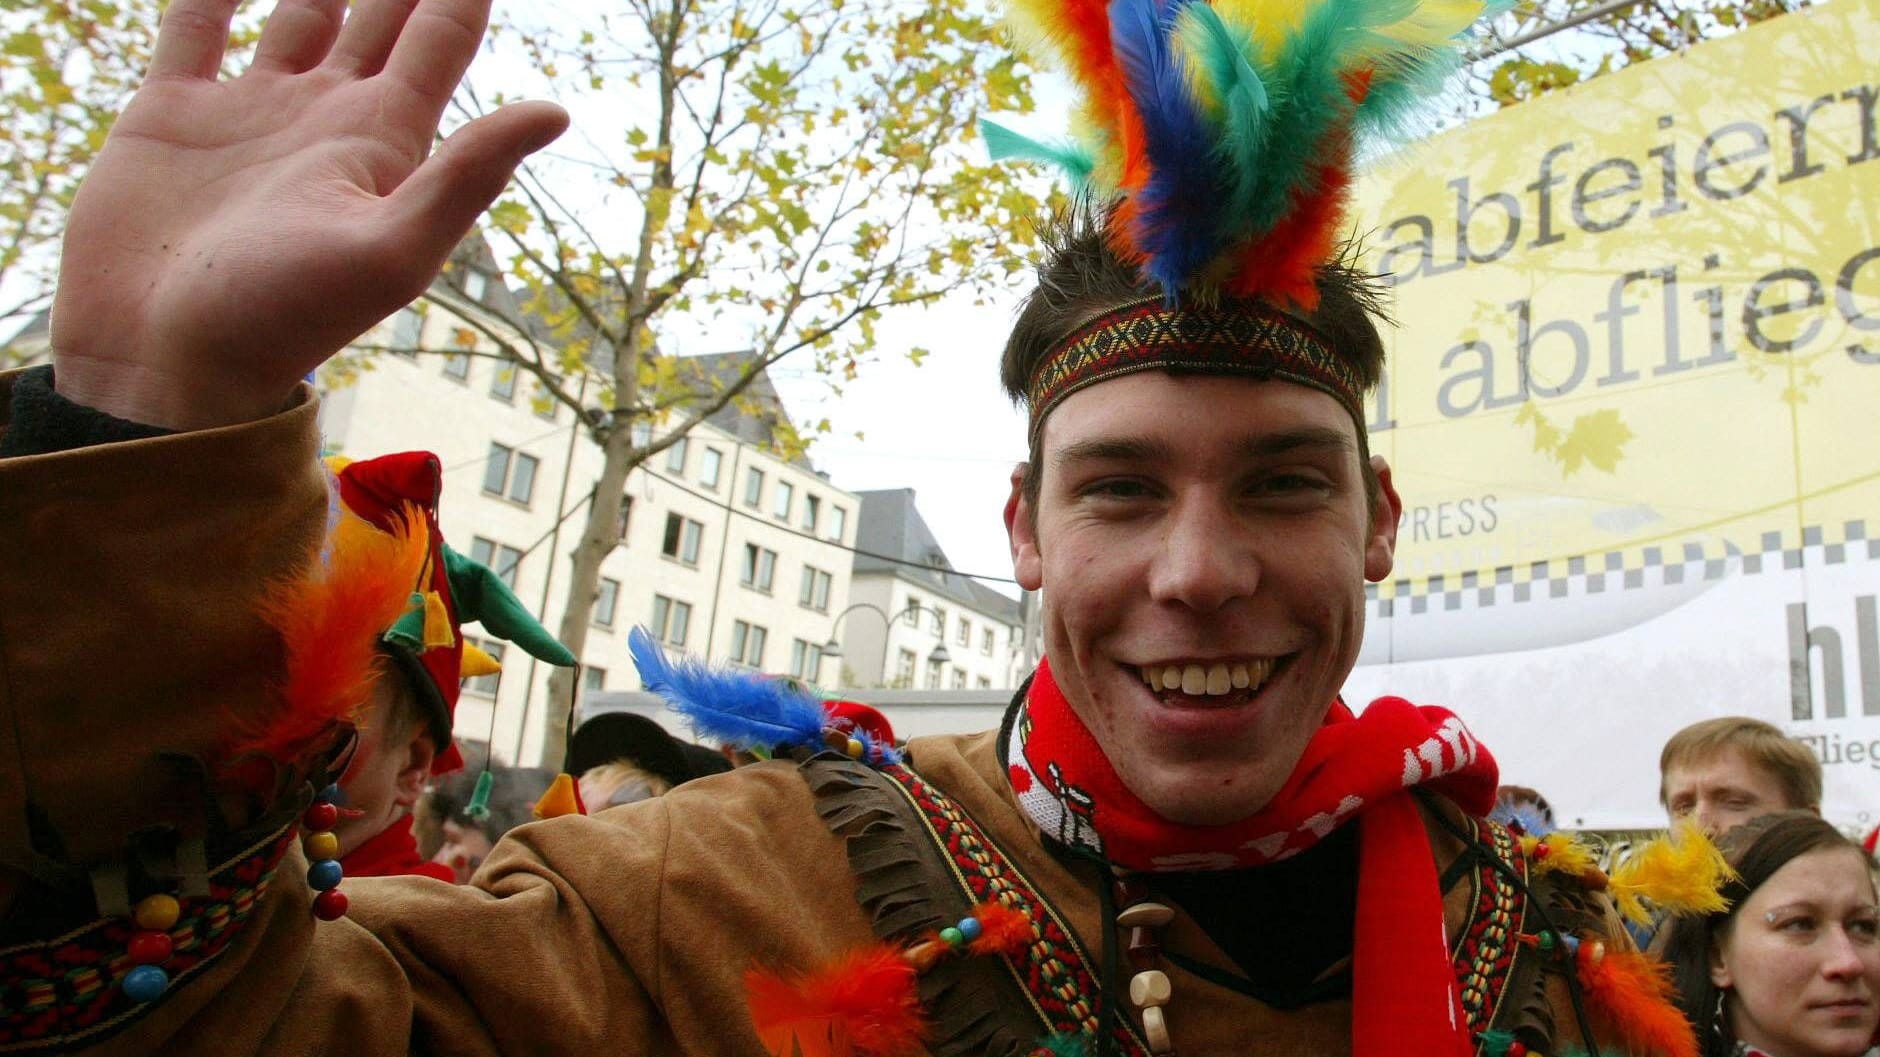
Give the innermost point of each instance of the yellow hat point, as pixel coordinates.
(437, 629)
(336, 463)
(476, 662)
(562, 798)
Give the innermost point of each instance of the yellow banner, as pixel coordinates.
(1640, 318)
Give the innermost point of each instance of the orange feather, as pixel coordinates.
(330, 619)
(1002, 930)
(1630, 996)
(1285, 263)
(863, 1004)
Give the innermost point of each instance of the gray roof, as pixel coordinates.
(889, 524)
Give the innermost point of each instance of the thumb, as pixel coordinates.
(436, 205)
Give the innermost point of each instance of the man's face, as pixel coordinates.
(1215, 530)
(387, 771)
(1722, 791)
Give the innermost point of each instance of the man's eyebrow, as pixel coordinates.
(1113, 449)
(1263, 446)
(1321, 438)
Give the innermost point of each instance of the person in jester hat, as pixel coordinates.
(1181, 840)
(405, 727)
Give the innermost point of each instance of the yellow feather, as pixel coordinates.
(1565, 854)
(1269, 22)
(1676, 874)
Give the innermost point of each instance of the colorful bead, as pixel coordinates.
(855, 749)
(332, 794)
(970, 928)
(322, 846)
(322, 876)
(150, 947)
(157, 912)
(1155, 1030)
(145, 983)
(1145, 915)
(952, 937)
(320, 815)
(1541, 852)
(1545, 941)
(1571, 945)
(1517, 1048)
(923, 956)
(330, 905)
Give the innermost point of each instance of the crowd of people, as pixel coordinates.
(230, 668)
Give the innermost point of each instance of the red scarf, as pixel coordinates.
(1403, 991)
(392, 851)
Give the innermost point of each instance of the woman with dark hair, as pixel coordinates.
(1792, 968)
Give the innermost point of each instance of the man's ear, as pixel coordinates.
(1021, 529)
(416, 769)
(1380, 549)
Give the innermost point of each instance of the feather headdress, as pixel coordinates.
(741, 708)
(1223, 133)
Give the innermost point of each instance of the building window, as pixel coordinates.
(545, 404)
(812, 510)
(984, 683)
(838, 523)
(747, 644)
(934, 672)
(675, 456)
(604, 601)
(753, 486)
(710, 465)
(940, 621)
(501, 559)
(760, 567)
(815, 593)
(503, 383)
(642, 434)
(475, 284)
(904, 669)
(510, 472)
(671, 620)
(985, 642)
(485, 685)
(626, 516)
(786, 495)
(407, 330)
(805, 660)
(965, 637)
(457, 365)
(682, 539)
(959, 678)
(912, 613)
(593, 678)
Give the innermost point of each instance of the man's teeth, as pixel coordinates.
(1209, 680)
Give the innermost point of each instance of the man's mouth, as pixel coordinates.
(1241, 677)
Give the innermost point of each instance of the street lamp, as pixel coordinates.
(833, 648)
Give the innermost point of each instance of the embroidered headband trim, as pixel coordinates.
(1247, 338)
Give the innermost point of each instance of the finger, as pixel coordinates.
(298, 34)
(437, 204)
(191, 38)
(439, 40)
(369, 35)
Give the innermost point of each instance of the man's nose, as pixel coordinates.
(1207, 556)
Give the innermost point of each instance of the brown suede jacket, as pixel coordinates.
(128, 575)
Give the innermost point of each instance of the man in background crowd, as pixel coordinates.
(1722, 772)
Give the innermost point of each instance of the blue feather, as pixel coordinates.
(733, 707)
(1177, 225)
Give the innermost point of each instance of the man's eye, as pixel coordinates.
(1115, 488)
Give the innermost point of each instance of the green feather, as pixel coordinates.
(1219, 54)
(1003, 143)
(1065, 1044)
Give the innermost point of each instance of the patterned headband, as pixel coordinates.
(1249, 339)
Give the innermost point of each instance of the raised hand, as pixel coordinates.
(232, 235)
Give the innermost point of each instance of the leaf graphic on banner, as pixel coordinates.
(1597, 438)
(1546, 434)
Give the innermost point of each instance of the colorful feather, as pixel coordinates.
(864, 1004)
(1003, 930)
(1066, 1044)
(733, 707)
(329, 619)
(1076, 161)
(1558, 853)
(1677, 874)
(1630, 996)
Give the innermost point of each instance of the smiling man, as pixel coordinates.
(1180, 838)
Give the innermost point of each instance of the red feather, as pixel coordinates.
(330, 619)
(864, 1004)
(1285, 263)
(1630, 996)
(1002, 930)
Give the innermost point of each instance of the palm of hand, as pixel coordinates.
(233, 235)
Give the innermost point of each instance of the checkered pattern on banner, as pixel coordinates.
(1652, 566)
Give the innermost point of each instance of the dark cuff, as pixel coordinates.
(42, 422)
